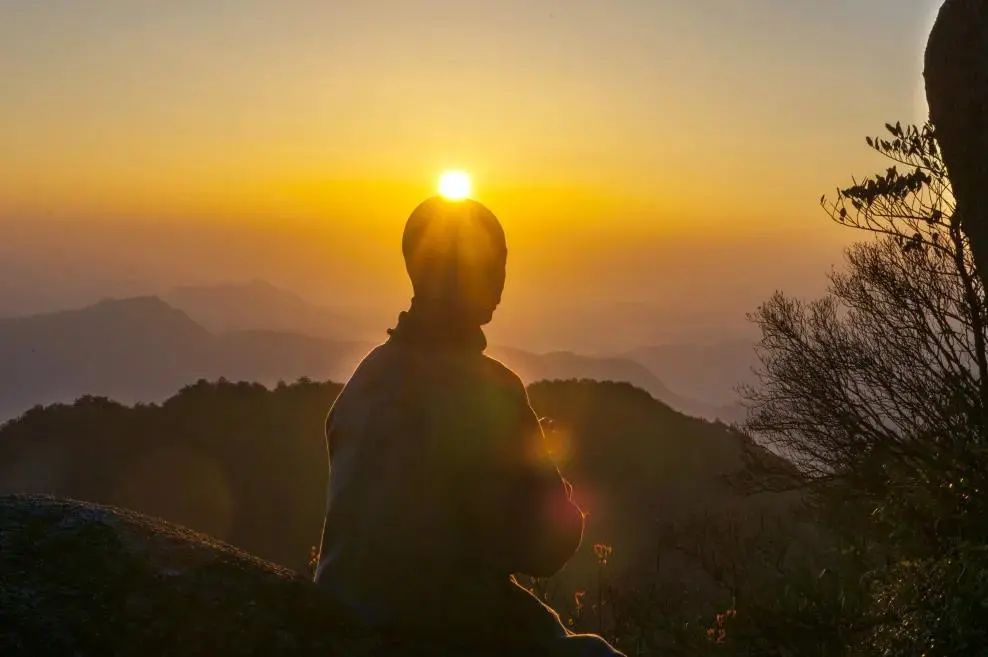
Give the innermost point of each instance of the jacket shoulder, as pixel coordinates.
(503, 374)
(367, 373)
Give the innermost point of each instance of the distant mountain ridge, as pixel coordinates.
(709, 371)
(696, 378)
(563, 365)
(143, 349)
(259, 305)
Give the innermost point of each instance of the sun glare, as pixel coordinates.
(454, 185)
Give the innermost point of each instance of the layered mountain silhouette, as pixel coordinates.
(143, 349)
(568, 365)
(711, 371)
(259, 305)
(699, 379)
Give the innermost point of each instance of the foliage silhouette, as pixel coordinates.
(876, 395)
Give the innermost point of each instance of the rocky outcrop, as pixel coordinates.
(84, 579)
(957, 91)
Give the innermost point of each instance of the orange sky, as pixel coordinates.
(635, 151)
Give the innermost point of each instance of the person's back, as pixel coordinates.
(441, 486)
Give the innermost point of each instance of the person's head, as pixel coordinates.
(455, 254)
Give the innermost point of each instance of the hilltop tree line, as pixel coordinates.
(248, 464)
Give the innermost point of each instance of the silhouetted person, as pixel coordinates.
(441, 486)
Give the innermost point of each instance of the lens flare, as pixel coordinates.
(454, 185)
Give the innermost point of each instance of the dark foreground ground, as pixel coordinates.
(83, 579)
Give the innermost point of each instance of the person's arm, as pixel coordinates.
(523, 505)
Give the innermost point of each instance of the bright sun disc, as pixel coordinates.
(454, 185)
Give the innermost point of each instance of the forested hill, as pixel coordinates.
(248, 464)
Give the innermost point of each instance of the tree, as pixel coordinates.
(877, 394)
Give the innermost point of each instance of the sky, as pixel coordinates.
(657, 165)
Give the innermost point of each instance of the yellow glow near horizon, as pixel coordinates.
(454, 185)
(612, 136)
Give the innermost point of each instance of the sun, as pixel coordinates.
(454, 185)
